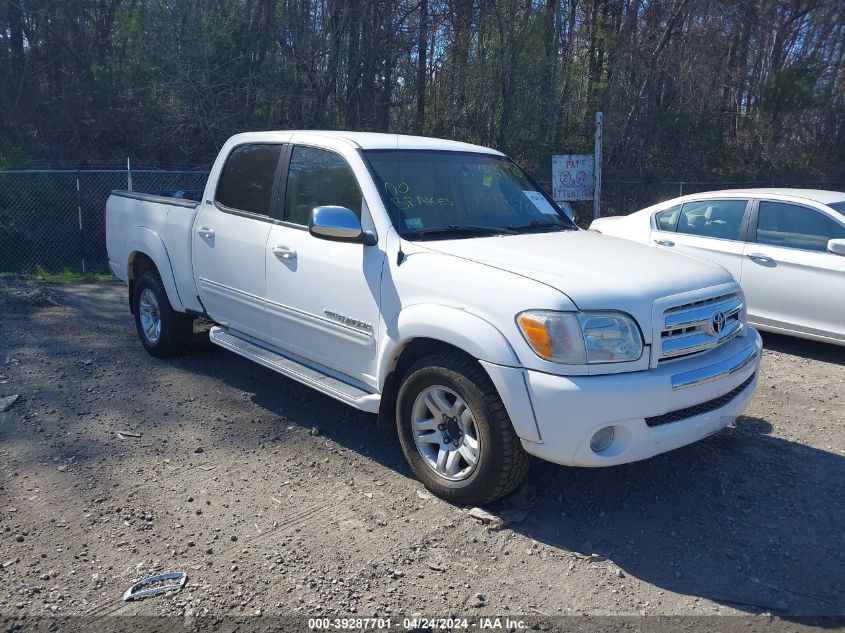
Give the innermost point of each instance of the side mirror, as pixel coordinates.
(338, 224)
(836, 246)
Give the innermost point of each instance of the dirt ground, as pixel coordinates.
(278, 500)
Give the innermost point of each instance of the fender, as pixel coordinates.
(464, 330)
(478, 338)
(146, 241)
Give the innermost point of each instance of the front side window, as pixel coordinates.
(246, 182)
(794, 226)
(713, 218)
(668, 219)
(317, 178)
(431, 192)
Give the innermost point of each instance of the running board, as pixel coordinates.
(296, 370)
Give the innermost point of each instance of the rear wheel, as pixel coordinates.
(163, 331)
(455, 431)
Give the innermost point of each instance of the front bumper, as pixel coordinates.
(684, 401)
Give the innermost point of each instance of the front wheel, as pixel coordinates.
(455, 431)
(163, 331)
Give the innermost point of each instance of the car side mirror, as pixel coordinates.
(836, 246)
(338, 224)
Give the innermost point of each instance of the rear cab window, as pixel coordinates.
(247, 180)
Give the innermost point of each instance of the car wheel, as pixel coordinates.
(455, 431)
(163, 331)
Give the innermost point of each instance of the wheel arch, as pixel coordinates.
(147, 252)
(426, 330)
(448, 326)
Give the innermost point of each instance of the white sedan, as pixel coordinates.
(786, 247)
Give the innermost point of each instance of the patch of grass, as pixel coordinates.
(67, 276)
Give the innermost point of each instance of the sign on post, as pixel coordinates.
(578, 176)
(572, 177)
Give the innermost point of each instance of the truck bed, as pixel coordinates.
(166, 229)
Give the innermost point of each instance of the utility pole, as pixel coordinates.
(597, 169)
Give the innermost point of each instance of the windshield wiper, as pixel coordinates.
(539, 224)
(464, 228)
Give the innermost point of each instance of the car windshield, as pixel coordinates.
(431, 194)
(838, 206)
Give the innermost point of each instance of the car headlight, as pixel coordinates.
(577, 338)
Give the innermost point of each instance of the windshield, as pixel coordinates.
(838, 206)
(432, 193)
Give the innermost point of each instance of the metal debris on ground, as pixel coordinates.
(155, 585)
(124, 434)
(7, 402)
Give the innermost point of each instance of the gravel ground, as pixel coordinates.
(278, 500)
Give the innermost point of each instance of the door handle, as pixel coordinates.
(664, 242)
(204, 231)
(760, 258)
(284, 252)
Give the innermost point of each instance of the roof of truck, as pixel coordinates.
(374, 140)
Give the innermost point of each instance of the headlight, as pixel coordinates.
(576, 338)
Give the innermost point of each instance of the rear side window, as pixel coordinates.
(317, 178)
(713, 218)
(794, 226)
(246, 182)
(666, 220)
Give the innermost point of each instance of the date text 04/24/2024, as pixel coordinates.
(415, 623)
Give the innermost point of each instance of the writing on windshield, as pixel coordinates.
(426, 191)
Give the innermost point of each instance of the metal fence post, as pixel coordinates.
(79, 217)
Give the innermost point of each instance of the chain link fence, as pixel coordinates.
(54, 220)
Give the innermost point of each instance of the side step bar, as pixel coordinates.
(296, 370)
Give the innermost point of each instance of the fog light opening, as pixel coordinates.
(602, 439)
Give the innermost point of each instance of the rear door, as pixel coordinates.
(713, 229)
(323, 296)
(230, 237)
(790, 280)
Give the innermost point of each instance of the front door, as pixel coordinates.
(790, 279)
(323, 296)
(230, 238)
(710, 229)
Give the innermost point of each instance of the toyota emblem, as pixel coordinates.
(717, 322)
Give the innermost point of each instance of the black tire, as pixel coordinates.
(502, 463)
(176, 327)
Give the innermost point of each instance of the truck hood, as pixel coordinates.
(597, 272)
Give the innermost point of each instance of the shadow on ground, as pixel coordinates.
(811, 350)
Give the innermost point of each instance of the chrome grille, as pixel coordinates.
(701, 325)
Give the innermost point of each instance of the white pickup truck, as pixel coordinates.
(435, 283)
